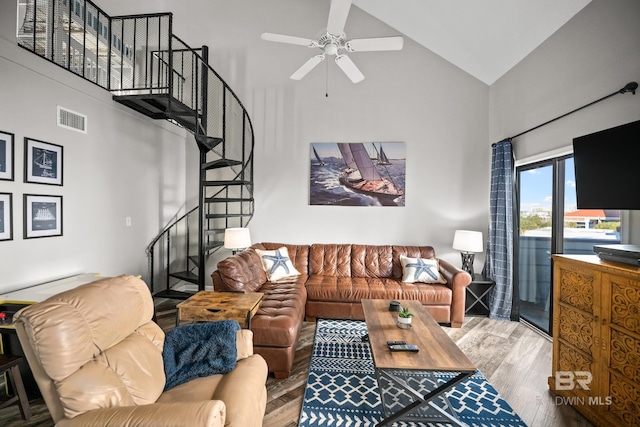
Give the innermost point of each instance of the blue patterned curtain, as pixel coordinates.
(499, 256)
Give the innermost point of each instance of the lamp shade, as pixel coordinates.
(236, 238)
(468, 241)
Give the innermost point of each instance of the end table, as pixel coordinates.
(209, 306)
(476, 301)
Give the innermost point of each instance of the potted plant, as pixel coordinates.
(404, 316)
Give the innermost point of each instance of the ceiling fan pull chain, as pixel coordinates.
(326, 94)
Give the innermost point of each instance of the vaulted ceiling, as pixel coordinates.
(485, 38)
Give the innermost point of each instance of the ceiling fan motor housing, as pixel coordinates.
(331, 44)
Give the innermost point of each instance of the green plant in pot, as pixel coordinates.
(404, 316)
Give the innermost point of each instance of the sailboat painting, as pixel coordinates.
(6, 156)
(42, 216)
(44, 162)
(357, 174)
(5, 216)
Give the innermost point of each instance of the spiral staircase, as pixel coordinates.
(152, 71)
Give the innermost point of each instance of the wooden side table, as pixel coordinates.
(10, 365)
(209, 306)
(476, 298)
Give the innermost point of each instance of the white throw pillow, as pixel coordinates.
(277, 264)
(420, 270)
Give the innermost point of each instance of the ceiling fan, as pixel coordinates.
(334, 41)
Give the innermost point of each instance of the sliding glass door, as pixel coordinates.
(550, 223)
(535, 185)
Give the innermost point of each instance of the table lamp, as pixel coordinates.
(237, 238)
(468, 243)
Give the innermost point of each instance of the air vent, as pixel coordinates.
(71, 120)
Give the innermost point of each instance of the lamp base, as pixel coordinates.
(467, 262)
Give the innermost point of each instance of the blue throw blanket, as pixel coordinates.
(199, 350)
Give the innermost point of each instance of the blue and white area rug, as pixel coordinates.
(342, 389)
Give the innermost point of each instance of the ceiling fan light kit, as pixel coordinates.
(334, 41)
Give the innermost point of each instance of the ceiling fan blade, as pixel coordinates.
(306, 67)
(338, 12)
(280, 38)
(346, 64)
(374, 44)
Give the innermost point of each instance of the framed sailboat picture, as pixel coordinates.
(357, 173)
(42, 216)
(43, 162)
(6, 220)
(6, 156)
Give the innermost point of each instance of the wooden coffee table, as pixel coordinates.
(209, 306)
(437, 353)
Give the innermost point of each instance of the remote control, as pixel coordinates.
(404, 347)
(396, 342)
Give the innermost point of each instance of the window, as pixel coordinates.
(550, 223)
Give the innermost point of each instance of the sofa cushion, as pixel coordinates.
(330, 260)
(371, 261)
(242, 390)
(279, 319)
(420, 270)
(130, 372)
(353, 290)
(277, 264)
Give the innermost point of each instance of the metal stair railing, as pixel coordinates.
(224, 134)
(149, 69)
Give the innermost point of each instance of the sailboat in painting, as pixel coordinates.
(43, 160)
(320, 161)
(361, 175)
(383, 160)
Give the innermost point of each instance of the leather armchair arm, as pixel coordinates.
(211, 413)
(457, 280)
(240, 272)
(244, 343)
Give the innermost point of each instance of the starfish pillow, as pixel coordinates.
(277, 264)
(420, 270)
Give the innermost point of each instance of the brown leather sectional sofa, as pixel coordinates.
(334, 279)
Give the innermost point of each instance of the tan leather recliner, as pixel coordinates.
(96, 355)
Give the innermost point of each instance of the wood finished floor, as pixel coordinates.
(515, 359)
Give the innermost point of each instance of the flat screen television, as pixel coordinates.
(607, 168)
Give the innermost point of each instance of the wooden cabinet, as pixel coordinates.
(596, 339)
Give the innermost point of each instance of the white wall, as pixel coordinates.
(594, 54)
(414, 96)
(126, 166)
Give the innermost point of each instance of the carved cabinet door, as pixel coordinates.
(576, 357)
(621, 348)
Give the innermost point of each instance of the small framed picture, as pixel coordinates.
(6, 220)
(6, 156)
(43, 162)
(42, 216)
